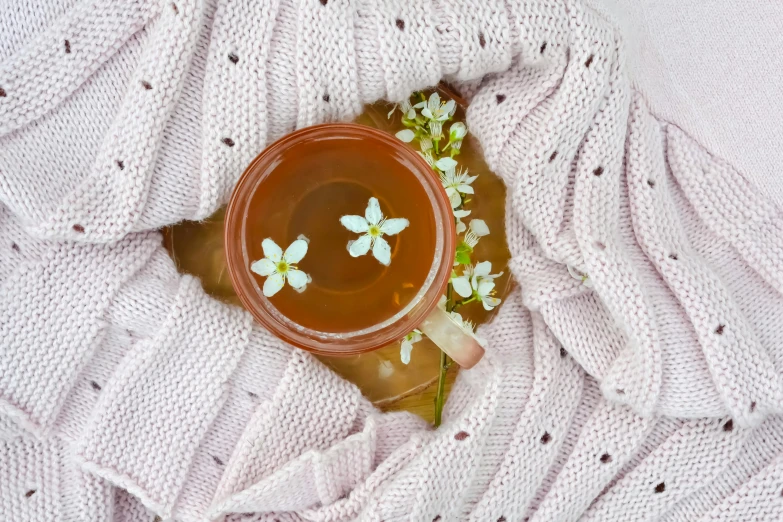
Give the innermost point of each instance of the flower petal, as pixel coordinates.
(485, 286)
(295, 251)
(406, 135)
(273, 284)
(450, 107)
(382, 251)
(490, 303)
(427, 113)
(484, 268)
(360, 247)
(460, 227)
(461, 285)
(465, 189)
(271, 250)
(297, 279)
(457, 131)
(394, 226)
(479, 227)
(445, 164)
(405, 351)
(411, 114)
(355, 224)
(264, 267)
(373, 212)
(461, 214)
(434, 102)
(454, 198)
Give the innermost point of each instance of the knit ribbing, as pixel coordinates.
(200, 414)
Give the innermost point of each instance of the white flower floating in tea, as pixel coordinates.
(477, 284)
(374, 226)
(279, 267)
(406, 345)
(456, 182)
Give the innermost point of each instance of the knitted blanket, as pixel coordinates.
(127, 393)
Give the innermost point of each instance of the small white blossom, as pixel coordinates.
(406, 345)
(279, 267)
(458, 215)
(433, 109)
(406, 135)
(456, 133)
(479, 283)
(456, 182)
(584, 278)
(461, 283)
(478, 229)
(374, 226)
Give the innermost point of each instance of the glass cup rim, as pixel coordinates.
(286, 329)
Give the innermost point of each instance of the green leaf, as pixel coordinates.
(462, 258)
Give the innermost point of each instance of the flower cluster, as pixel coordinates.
(424, 122)
(279, 267)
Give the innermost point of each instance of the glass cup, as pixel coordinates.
(388, 164)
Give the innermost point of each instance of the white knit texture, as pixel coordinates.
(653, 394)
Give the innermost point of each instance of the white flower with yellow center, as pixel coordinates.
(433, 109)
(456, 182)
(478, 283)
(374, 226)
(406, 345)
(279, 267)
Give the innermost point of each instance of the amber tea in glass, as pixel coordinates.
(299, 188)
(306, 194)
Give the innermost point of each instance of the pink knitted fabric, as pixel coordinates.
(653, 394)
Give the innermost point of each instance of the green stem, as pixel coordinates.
(463, 302)
(440, 395)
